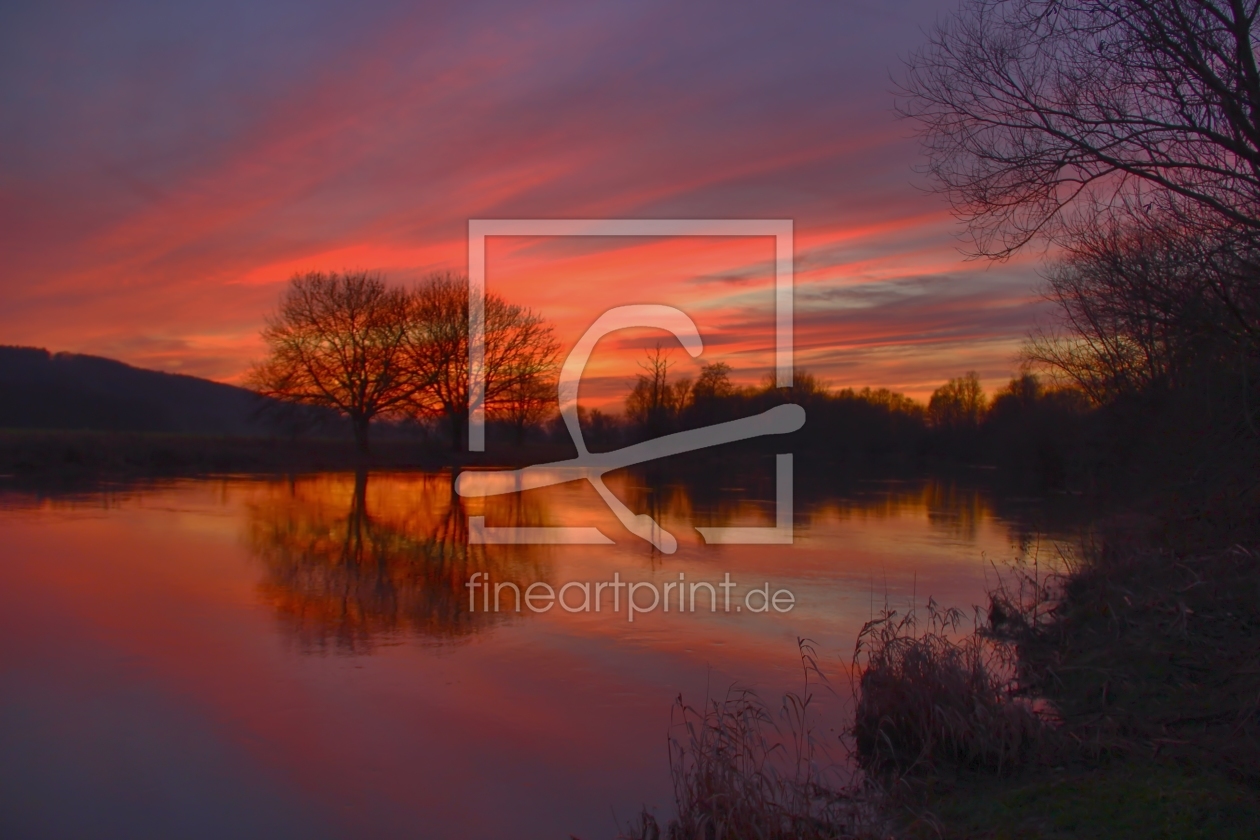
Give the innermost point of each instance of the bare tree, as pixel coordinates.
(711, 397)
(1045, 117)
(806, 388)
(958, 404)
(1125, 303)
(893, 401)
(1127, 132)
(339, 341)
(527, 401)
(655, 404)
(1143, 307)
(520, 352)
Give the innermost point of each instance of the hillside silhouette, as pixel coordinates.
(43, 390)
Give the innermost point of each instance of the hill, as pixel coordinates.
(43, 390)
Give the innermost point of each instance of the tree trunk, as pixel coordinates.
(457, 431)
(359, 425)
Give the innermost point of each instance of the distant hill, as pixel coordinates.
(42, 390)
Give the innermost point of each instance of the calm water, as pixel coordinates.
(249, 658)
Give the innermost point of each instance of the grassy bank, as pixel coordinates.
(1118, 697)
(1138, 799)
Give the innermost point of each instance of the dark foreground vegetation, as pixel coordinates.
(1113, 691)
(1113, 698)
(1117, 696)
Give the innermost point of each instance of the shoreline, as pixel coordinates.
(57, 453)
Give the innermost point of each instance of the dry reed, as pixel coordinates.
(742, 771)
(936, 700)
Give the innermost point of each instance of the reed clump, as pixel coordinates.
(932, 700)
(742, 770)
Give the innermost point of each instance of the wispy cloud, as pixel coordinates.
(166, 166)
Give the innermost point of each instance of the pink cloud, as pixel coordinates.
(158, 232)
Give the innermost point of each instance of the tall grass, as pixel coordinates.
(934, 699)
(931, 698)
(1124, 653)
(743, 770)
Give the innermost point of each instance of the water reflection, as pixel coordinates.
(182, 615)
(350, 563)
(953, 509)
(722, 496)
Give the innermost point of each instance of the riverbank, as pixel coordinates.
(1114, 693)
(70, 455)
(1141, 662)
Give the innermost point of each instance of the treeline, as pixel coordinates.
(373, 353)
(1139, 382)
(1156, 323)
(1038, 432)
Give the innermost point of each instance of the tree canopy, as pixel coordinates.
(1049, 117)
(339, 341)
(351, 343)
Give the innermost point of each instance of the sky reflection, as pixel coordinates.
(297, 655)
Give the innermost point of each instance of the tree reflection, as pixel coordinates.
(346, 568)
(350, 563)
(744, 492)
(957, 509)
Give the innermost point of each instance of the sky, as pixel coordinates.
(166, 167)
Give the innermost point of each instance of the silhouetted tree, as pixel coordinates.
(958, 404)
(339, 341)
(1037, 432)
(714, 382)
(1137, 309)
(893, 401)
(527, 400)
(1128, 132)
(1053, 117)
(806, 388)
(655, 404)
(600, 430)
(520, 352)
(712, 397)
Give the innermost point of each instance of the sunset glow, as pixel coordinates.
(629, 419)
(156, 195)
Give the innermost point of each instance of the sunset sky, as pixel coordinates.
(166, 167)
